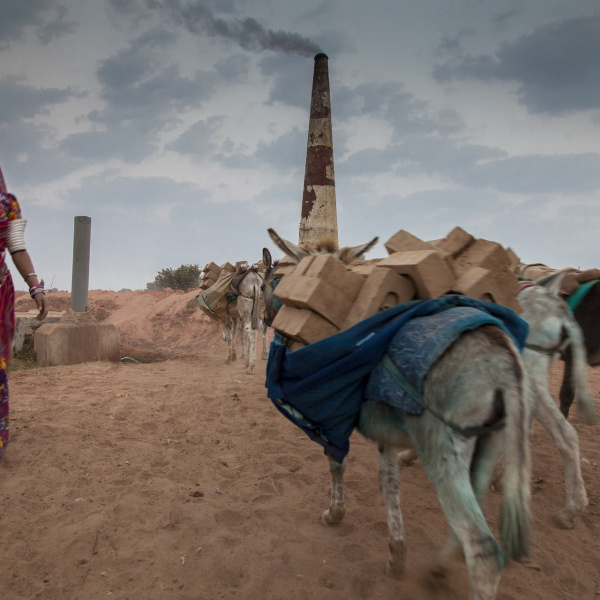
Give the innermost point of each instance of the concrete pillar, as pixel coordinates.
(319, 214)
(77, 337)
(81, 263)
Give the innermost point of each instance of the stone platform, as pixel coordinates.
(76, 338)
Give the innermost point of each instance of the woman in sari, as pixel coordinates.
(12, 238)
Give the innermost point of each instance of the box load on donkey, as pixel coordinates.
(322, 296)
(219, 286)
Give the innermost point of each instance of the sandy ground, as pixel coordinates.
(178, 479)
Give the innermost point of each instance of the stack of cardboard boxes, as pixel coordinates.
(322, 296)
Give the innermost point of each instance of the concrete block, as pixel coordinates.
(25, 321)
(293, 345)
(332, 270)
(403, 241)
(569, 284)
(456, 242)
(475, 282)
(285, 267)
(317, 295)
(430, 273)
(513, 259)
(364, 267)
(73, 343)
(482, 253)
(302, 325)
(588, 275)
(382, 289)
(490, 286)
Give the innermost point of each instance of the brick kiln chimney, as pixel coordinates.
(319, 215)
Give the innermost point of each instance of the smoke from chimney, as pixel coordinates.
(198, 18)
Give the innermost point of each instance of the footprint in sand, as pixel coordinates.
(354, 553)
(229, 518)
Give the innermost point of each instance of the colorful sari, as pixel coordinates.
(9, 210)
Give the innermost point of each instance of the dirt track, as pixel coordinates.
(178, 479)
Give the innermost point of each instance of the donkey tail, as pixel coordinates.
(579, 371)
(255, 317)
(515, 520)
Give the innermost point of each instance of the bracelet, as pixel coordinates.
(36, 289)
(30, 275)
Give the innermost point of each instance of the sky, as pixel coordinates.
(180, 126)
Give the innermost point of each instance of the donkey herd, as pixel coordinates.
(480, 398)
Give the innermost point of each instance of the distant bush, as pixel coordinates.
(184, 278)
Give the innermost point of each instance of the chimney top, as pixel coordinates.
(321, 56)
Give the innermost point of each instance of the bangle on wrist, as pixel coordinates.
(36, 289)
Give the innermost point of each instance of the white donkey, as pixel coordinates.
(243, 313)
(477, 383)
(552, 329)
(264, 334)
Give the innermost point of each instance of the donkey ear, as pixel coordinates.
(352, 253)
(267, 260)
(296, 253)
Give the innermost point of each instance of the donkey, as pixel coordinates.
(586, 315)
(478, 383)
(552, 329)
(243, 313)
(264, 333)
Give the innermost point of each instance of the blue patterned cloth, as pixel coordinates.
(414, 349)
(321, 387)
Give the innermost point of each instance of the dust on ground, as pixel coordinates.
(178, 479)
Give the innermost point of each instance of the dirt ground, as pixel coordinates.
(177, 479)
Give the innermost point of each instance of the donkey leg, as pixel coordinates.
(251, 338)
(452, 481)
(389, 484)
(242, 341)
(565, 438)
(488, 450)
(265, 341)
(337, 509)
(230, 327)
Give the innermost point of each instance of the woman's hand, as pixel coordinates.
(42, 304)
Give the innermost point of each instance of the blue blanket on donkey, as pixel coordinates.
(321, 387)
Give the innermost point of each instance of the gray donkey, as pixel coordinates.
(478, 383)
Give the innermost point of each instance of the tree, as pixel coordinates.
(183, 278)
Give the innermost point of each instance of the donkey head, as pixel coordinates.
(296, 253)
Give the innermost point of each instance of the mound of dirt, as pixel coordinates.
(152, 324)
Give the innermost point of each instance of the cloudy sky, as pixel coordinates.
(180, 126)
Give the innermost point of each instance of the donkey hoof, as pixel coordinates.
(407, 457)
(250, 372)
(393, 570)
(328, 519)
(564, 520)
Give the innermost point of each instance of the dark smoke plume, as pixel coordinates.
(198, 18)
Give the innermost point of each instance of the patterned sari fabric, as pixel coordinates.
(9, 210)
